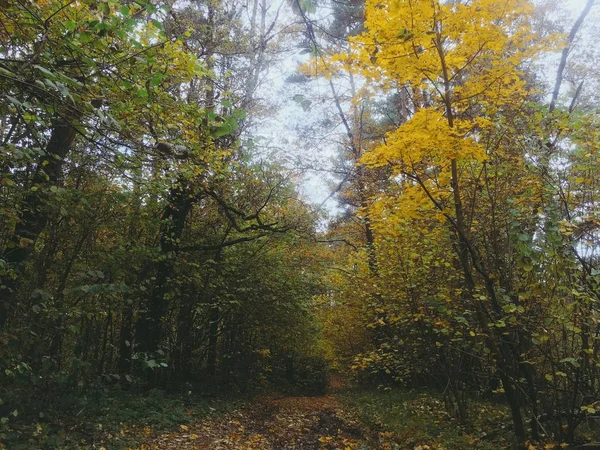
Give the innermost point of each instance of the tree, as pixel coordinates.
(456, 162)
(130, 205)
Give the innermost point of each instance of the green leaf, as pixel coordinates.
(301, 7)
(14, 101)
(239, 114)
(46, 72)
(224, 130)
(85, 37)
(510, 308)
(571, 361)
(461, 320)
(157, 24)
(306, 105)
(70, 25)
(156, 79)
(310, 6)
(6, 72)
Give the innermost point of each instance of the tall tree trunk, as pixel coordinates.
(149, 324)
(214, 317)
(213, 338)
(33, 213)
(505, 351)
(57, 339)
(126, 337)
(182, 352)
(127, 310)
(107, 327)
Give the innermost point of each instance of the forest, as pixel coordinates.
(299, 224)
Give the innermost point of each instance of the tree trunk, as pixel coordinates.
(149, 325)
(213, 336)
(33, 213)
(126, 337)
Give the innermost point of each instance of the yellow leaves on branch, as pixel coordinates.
(476, 45)
(322, 66)
(461, 63)
(426, 139)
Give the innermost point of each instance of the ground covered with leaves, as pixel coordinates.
(275, 423)
(350, 419)
(347, 419)
(113, 420)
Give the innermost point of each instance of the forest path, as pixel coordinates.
(270, 423)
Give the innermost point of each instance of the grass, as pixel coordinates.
(417, 419)
(116, 420)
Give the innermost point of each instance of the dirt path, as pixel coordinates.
(302, 423)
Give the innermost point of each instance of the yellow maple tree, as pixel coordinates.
(462, 63)
(464, 67)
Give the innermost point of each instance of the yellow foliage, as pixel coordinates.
(428, 139)
(462, 63)
(475, 47)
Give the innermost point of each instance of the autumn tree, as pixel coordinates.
(460, 161)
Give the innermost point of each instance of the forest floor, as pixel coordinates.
(271, 423)
(346, 418)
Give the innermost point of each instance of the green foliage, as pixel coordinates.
(418, 418)
(141, 246)
(115, 420)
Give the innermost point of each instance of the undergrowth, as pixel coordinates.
(114, 420)
(417, 419)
